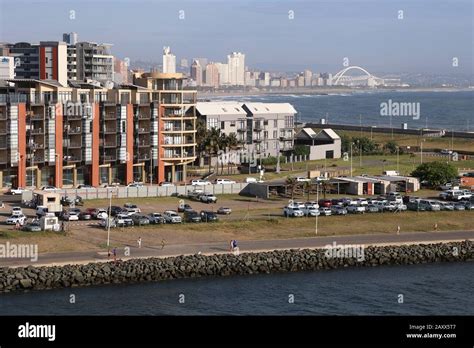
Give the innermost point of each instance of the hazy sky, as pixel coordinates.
(322, 33)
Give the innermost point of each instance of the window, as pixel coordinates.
(232, 123)
(265, 123)
(275, 134)
(222, 125)
(212, 123)
(265, 135)
(275, 124)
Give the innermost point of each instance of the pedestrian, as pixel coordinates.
(162, 244)
(17, 225)
(114, 252)
(108, 254)
(231, 248)
(139, 242)
(436, 226)
(398, 229)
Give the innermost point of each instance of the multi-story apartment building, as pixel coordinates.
(264, 129)
(88, 134)
(94, 62)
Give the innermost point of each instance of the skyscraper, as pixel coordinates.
(308, 76)
(196, 72)
(70, 38)
(211, 75)
(223, 73)
(169, 61)
(236, 62)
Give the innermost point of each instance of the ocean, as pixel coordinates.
(442, 110)
(429, 289)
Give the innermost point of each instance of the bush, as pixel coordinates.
(436, 173)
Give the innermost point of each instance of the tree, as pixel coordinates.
(436, 173)
(291, 183)
(391, 147)
(233, 144)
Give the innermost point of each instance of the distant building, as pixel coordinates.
(169, 61)
(223, 73)
(308, 77)
(264, 79)
(211, 75)
(121, 75)
(94, 62)
(196, 72)
(7, 68)
(236, 62)
(70, 38)
(300, 81)
(184, 63)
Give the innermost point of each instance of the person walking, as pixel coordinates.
(162, 244)
(435, 226)
(114, 252)
(139, 242)
(398, 229)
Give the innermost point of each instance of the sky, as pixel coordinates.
(274, 35)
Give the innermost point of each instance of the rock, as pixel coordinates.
(25, 283)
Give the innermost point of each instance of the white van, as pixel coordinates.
(224, 181)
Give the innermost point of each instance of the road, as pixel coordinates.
(244, 246)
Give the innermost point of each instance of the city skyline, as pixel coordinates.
(424, 40)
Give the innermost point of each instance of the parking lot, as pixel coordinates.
(250, 219)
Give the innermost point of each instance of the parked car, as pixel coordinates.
(311, 210)
(430, 205)
(114, 210)
(70, 216)
(84, 215)
(192, 216)
(325, 203)
(225, 181)
(224, 211)
(446, 206)
(172, 217)
(166, 184)
(101, 214)
(208, 198)
(123, 220)
(348, 201)
(199, 182)
(469, 206)
(135, 184)
(140, 220)
(82, 186)
(415, 205)
(395, 197)
(325, 211)
(108, 221)
(129, 206)
(361, 201)
(372, 208)
(337, 201)
(32, 227)
(183, 207)
(338, 210)
(208, 216)
(156, 218)
(355, 209)
(16, 210)
(291, 211)
(14, 219)
(16, 191)
(459, 206)
(49, 188)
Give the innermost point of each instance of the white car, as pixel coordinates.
(325, 211)
(172, 217)
(135, 184)
(302, 179)
(292, 211)
(49, 188)
(14, 219)
(16, 210)
(101, 214)
(71, 216)
(16, 191)
(356, 209)
(199, 182)
(361, 201)
(208, 198)
(225, 181)
(311, 210)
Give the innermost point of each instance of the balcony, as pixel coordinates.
(257, 128)
(73, 130)
(3, 131)
(143, 130)
(109, 158)
(110, 116)
(36, 117)
(171, 129)
(143, 116)
(241, 129)
(74, 145)
(73, 117)
(35, 146)
(3, 143)
(142, 157)
(109, 143)
(257, 140)
(109, 130)
(72, 158)
(36, 131)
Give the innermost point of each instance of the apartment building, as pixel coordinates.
(264, 129)
(84, 133)
(94, 61)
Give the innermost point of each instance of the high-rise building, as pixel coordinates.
(211, 75)
(70, 38)
(53, 61)
(7, 68)
(236, 62)
(264, 79)
(94, 62)
(169, 61)
(300, 81)
(184, 63)
(120, 72)
(308, 77)
(196, 72)
(223, 73)
(26, 57)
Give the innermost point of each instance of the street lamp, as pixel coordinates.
(351, 158)
(317, 202)
(398, 159)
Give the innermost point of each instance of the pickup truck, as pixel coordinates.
(208, 198)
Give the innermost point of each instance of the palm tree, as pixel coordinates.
(291, 183)
(233, 144)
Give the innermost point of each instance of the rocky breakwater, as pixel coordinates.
(155, 269)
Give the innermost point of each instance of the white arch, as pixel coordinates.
(343, 71)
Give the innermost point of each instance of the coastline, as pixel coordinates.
(197, 265)
(325, 91)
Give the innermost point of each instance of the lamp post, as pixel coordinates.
(351, 158)
(398, 159)
(317, 202)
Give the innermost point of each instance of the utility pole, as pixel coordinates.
(351, 158)
(398, 160)
(317, 202)
(277, 170)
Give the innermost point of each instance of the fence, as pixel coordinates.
(151, 191)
